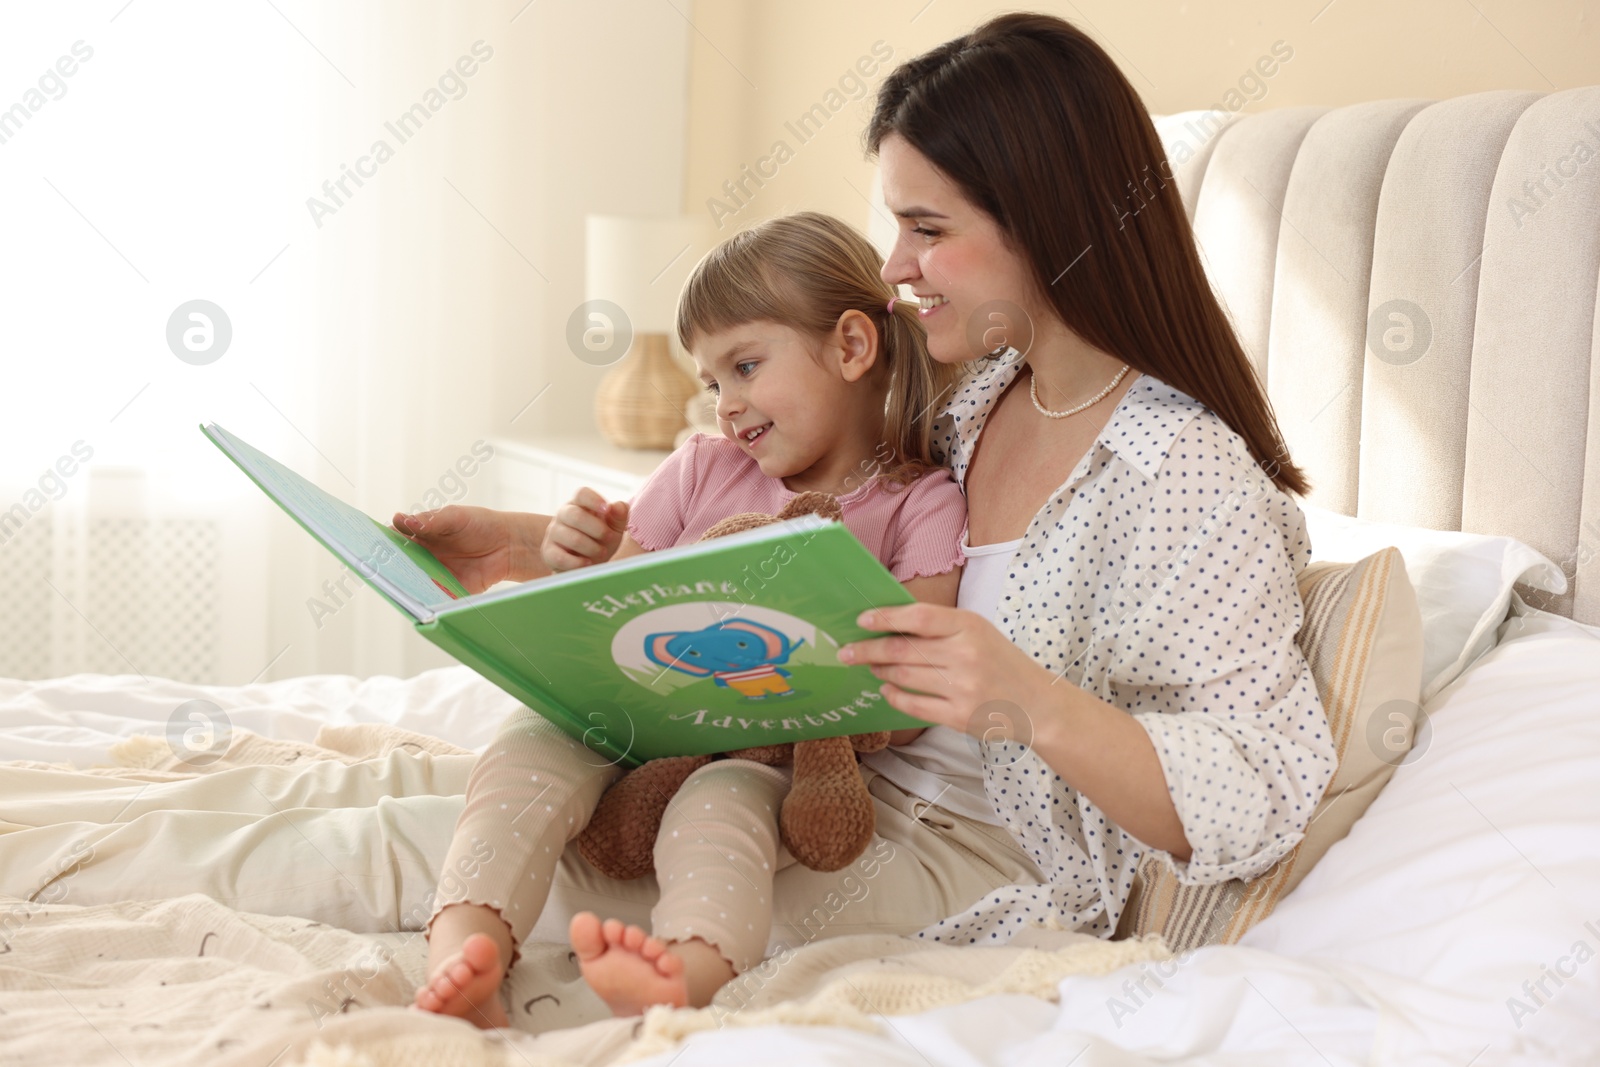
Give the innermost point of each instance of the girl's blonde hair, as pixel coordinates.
(803, 271)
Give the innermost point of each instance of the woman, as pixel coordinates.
(1128, 612)
(1142, 550)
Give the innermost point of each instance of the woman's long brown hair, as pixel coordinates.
(1039, 129)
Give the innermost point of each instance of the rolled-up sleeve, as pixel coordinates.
(1208, 665)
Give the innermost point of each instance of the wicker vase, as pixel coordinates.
(640, 401)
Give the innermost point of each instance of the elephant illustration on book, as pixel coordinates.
(738, 653)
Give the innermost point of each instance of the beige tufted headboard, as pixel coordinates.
(1417, 283)
(1462, 238)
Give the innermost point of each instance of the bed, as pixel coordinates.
(1417, 285)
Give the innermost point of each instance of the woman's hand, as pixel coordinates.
(974, 679)
(982, 684)
(588, 530)
(480, 546)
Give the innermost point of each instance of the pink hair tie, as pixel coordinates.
(892, 299)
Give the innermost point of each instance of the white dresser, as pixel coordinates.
(539, 473)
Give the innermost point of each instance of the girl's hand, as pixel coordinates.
(584, 532)
(478, 545)
(976, 681)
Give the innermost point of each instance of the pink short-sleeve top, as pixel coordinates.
(915, 531)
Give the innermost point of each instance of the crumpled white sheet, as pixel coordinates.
(76, 719)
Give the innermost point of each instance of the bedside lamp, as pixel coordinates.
(638, 267)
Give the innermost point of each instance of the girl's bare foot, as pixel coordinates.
(632, 970)
(628, 968)
(467, 985)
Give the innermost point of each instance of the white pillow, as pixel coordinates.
(1463, 582)
(1477, 870)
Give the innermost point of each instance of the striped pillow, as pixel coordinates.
(1362, 636)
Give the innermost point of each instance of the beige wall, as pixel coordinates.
(756, 66)
(441, 309)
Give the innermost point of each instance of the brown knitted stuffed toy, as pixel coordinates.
(826, 820)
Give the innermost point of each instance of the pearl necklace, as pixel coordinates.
(1033, 381)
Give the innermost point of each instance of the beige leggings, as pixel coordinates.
(717, 854)
(535, 788)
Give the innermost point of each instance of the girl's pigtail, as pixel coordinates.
(919, 389)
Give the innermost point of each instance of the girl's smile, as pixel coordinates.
(754, 436)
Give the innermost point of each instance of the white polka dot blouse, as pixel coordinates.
(1160, 578)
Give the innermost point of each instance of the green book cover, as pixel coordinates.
(703, 648)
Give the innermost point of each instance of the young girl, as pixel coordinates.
(822, 382)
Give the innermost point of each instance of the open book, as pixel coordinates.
(702, 648)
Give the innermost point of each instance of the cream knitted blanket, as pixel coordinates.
(856, 982)
(189, 980)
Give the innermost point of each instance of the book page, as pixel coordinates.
(369, 548)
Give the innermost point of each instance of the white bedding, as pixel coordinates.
(1477, 867)
(76, 719)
